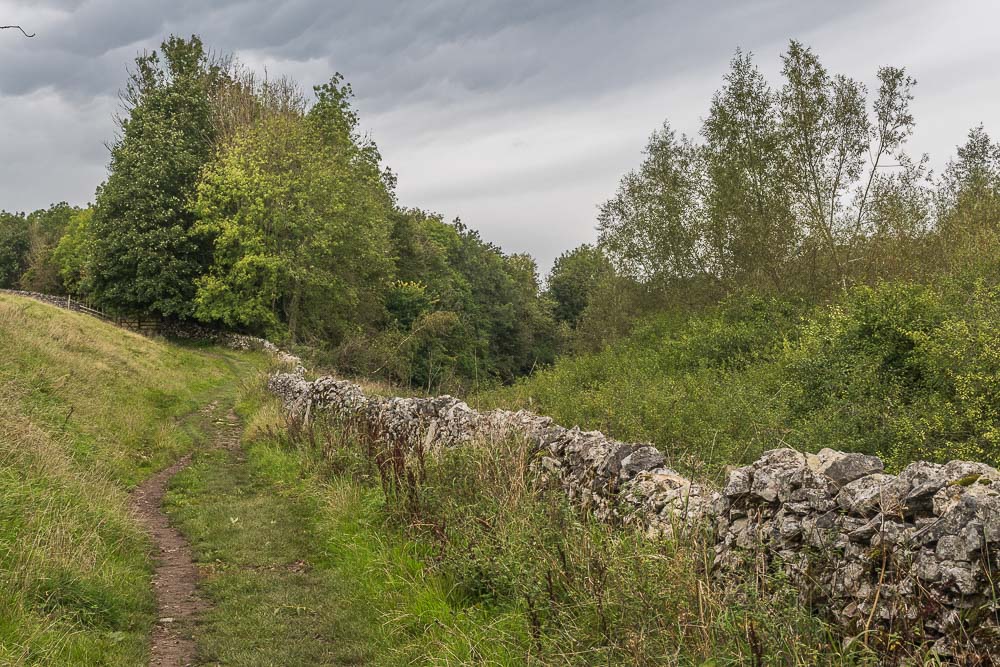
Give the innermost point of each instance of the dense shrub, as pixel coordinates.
(899, 370)
(904, 371)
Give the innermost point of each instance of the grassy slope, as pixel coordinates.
(86, 412)
(300, 565)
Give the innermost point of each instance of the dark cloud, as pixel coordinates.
(519, 115)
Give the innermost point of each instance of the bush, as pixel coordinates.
(903, 371)
(899, 370)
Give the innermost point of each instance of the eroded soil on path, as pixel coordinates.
(175, 581)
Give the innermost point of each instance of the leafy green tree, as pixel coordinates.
(14, 247)
(829, 136)
(653, 229)
(407, 301)
(968, 206)
(498, 298)
(145, 257)
(534, 340)
(422, 245)
(45, 228)
(574, 277)
(296, 209)
(825, 128)
(969, 192)
(72, 254)
(749, 208)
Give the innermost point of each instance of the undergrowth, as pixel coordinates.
(500, 569)
(900, 370)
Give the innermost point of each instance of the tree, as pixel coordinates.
(968, 200)
(653, 229)
(574, 277)
(749, 208)
(45, 228)
(14, 246)
(72, 254)
(145, 258)
(828, 133)
(297, 212)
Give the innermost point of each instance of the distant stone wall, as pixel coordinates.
(915, 552)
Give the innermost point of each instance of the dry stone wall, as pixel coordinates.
(914, 554)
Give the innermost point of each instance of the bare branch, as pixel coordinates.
(6, 27)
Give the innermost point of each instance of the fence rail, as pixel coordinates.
(143, 325)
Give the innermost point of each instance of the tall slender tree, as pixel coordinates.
(748, 200)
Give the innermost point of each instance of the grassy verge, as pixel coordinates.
(86, 412)
(468, 560)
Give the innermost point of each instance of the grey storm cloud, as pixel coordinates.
(397, 50)
(518, 115)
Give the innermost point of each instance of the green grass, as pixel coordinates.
(311, 561)
(87, 411)
(302, 568)
(276, 600)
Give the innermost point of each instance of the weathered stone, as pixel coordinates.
(868, 495)
(642, 458)
(777, 474)
(739, 482)
(842, 467)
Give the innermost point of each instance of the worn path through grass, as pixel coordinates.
(178, 603)
(275, 597)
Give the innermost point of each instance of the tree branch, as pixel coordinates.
(6, 27)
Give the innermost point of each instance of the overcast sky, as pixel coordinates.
(518, 116)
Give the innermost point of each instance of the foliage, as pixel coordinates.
(905, 371)
(751, 228)
(900, 370)
(296, 210)
(14, 246)
(72, 254)
(145, 258)
(653, 226)
(778, 197)
(45, 229)
(461, 311)
(575, 276)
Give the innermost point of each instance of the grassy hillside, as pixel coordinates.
(900, 370)
(87, 411)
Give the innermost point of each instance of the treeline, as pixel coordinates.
(800, 190)
(792, 277)
(234, 201)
